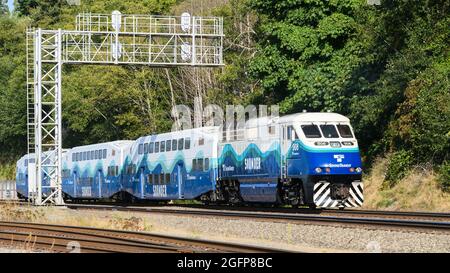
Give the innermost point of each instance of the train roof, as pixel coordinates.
(204, 130)
(298, 117)
(115, 144)
(314, 117)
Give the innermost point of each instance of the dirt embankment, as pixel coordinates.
(418, 191)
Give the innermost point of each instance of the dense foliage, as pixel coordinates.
(385, 66)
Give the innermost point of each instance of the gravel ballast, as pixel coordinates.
(296, 237)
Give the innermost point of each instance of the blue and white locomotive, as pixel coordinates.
(300, 159)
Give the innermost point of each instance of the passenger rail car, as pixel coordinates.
(301, 159)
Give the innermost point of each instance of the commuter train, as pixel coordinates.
(300, 159)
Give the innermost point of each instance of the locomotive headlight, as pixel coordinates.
(358, 169)
(327, 170)
(318, 170)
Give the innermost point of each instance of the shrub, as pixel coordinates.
(444, 176)
(398, 165)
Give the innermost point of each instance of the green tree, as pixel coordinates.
(12, 78)
(307, 52)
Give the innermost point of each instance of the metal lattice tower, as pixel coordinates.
(102, 39)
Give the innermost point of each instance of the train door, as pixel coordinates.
(284, 147)
(99, 180)
(75, 181)
(142, 182)
(180, 181)
(291, 136)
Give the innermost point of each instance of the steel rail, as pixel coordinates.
(439, 225)
(108, 240)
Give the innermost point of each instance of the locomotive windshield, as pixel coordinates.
(329, 131)
(311, 131)
(344, 131)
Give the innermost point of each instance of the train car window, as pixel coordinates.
(140, 148)
(345, 131)
(162, 147)
(161, 178)
(329, 131)
(174, 144)
(156, 147)
(194, 164)
(104, 153)
(271, 130)
(92, 154)
(168, 145)
(187, 143)
(156, 179)
(88, 155)
(150, 147)
(200, 164)
(117, 171)
(150, 178)
(146, 148)
(167, 180)
(180, 144)
(96, 154)
(201, 141)
(84, 156)
(73, 159)
(311, 131)
(206, 164)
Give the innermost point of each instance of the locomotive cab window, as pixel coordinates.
(291, 134)
(311, 131)
(345, 131)
(329, 131)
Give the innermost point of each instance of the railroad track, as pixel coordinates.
(440, 222)
(398, 219)
(59, 238)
